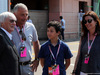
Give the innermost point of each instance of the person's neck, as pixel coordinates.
(91, 34)
(54, 41)
(19, 25)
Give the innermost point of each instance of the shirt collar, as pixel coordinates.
(49, 42)
(9, 35)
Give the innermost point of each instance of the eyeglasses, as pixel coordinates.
(12, 21)
(23, 35)
(89, 21)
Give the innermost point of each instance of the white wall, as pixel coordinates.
(3, 5)
(40, 20)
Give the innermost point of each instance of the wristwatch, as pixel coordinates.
(37, 59)
(73, 71)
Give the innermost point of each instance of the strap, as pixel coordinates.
(53, 54)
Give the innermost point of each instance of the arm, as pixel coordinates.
(2, 44)
(67, 63)
(36, 47)
(77, 58)
(62, 23)
(42, 62)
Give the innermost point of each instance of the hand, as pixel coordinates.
(73, 74)
(34, 65)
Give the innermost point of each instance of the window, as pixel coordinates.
(32, 4)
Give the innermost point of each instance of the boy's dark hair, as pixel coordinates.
(54, 24)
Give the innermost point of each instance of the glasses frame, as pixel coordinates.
(89, 21)
(23, 35)
(12, 21)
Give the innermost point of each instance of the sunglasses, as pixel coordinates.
(23, 35)
(12, 21)
(89, 21)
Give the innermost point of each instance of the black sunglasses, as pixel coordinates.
(23, 35)
(89, 21)
(12, 21)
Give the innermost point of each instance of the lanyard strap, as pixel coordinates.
(53, 54)
(19, 34)
(90, 45)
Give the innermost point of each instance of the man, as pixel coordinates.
(62, 26)
(23, 35)
(80, 15)
(29, 20)
(9, 64)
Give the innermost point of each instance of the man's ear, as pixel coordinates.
(58, 32)
(1, 24)
(14, 13)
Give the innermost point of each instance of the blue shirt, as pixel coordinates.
(63, 21)
(64, 53)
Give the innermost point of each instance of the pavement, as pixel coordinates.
(73, 45)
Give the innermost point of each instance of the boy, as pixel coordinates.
(53, 52)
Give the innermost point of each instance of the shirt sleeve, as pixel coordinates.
(2, 44)
(35, 36)
(67, 52)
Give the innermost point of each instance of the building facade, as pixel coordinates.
(43, 11)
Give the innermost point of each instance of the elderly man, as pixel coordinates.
(9, 64)
(24, 35)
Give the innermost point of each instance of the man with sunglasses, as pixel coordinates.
(24, 35)
(9, 58)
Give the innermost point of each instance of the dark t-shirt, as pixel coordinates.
(84, 67)
(64, 53)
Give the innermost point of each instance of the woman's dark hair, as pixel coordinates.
(54, 24)
(95, 18)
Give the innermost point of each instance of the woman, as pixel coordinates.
(88, 57)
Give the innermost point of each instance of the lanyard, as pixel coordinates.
(90, 45)
(53, 54)
(18, 32)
